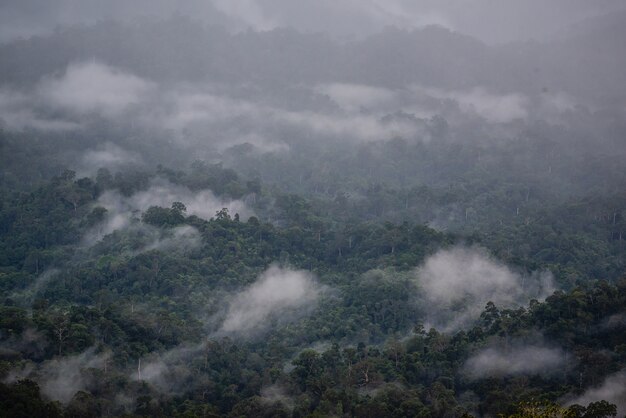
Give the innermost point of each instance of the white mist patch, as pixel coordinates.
(525, 360)
(123, 211)
(612, 390)
(277, 393)
(457, 283)
(94, 87)
(62, 377)
(614, 322)
(30, 342)
(182, 238)
(278, 294)
(203, 203)
(168, 372)
(29, 294)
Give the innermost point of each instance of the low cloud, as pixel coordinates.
(512, 361)
(278, 295)
(457, 283)
(613, 390)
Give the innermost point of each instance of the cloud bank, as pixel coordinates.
(204, 116)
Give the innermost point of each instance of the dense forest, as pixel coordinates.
(197, 222)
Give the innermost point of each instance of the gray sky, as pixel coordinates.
(492, 21)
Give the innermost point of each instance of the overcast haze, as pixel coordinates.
(489, 20)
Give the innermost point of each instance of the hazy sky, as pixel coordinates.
(489, 20)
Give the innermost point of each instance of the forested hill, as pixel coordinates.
(176, 314)
(201, 221)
